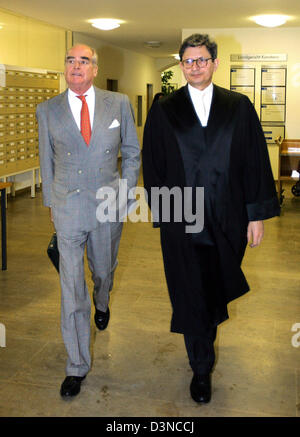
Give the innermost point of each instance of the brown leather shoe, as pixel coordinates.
(101, 319)
(201, 388)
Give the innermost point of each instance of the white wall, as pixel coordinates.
(163, 64)
(26, 42)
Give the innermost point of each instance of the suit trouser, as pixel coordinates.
(102, 246)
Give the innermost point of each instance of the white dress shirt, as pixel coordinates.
(202, 102)
(76, 104)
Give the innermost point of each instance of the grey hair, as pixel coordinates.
(94, 57)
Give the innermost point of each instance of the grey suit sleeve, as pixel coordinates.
(130, 148)
(45, 153)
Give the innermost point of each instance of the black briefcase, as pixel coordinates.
(53, 252)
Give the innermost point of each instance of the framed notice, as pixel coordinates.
(273, 95)
(242, 76)
(273, 77)
(273, 132)
(242, 80)
(272, 113)
(246, 90)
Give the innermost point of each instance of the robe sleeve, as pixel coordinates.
(258, 182)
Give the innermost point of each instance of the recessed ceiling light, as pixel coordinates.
(176, 57)
(106, 23)
(272, 20)
(152, 44)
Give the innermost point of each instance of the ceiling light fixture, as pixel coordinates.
(272, 20)
(106, 23)
(152, 44)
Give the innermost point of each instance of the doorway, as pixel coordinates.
(149, 95)
(112, 85)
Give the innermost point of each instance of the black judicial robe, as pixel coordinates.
(229, 158)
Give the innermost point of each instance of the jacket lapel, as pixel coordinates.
(65, 117)
(187, 129)
(103, 106)
(220, 117)
(182, 115)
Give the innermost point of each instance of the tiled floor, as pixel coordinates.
(139, 367)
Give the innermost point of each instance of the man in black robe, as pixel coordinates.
(206, 136)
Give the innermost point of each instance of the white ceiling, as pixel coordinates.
(151, 20)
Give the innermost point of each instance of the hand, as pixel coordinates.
(255, 233)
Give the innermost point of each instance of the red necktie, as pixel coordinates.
(85, 125)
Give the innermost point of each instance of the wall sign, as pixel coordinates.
(258, 57)
(273, 94)
(269, 75)
(274, 113)
(273, 76)
(242, 80)
(273, 132)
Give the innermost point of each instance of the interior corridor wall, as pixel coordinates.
(26, 42)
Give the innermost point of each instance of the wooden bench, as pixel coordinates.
(289, 161)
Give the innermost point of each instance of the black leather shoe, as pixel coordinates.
(201, 388)
(71, 386)
(101, 319)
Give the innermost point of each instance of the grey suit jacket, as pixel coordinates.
(71, 172)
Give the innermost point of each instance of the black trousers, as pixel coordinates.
(196, 291)
(201, 351)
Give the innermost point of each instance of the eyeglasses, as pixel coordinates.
(201, 62)
(82, 61)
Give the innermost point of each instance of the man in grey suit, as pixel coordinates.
(74, 169)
